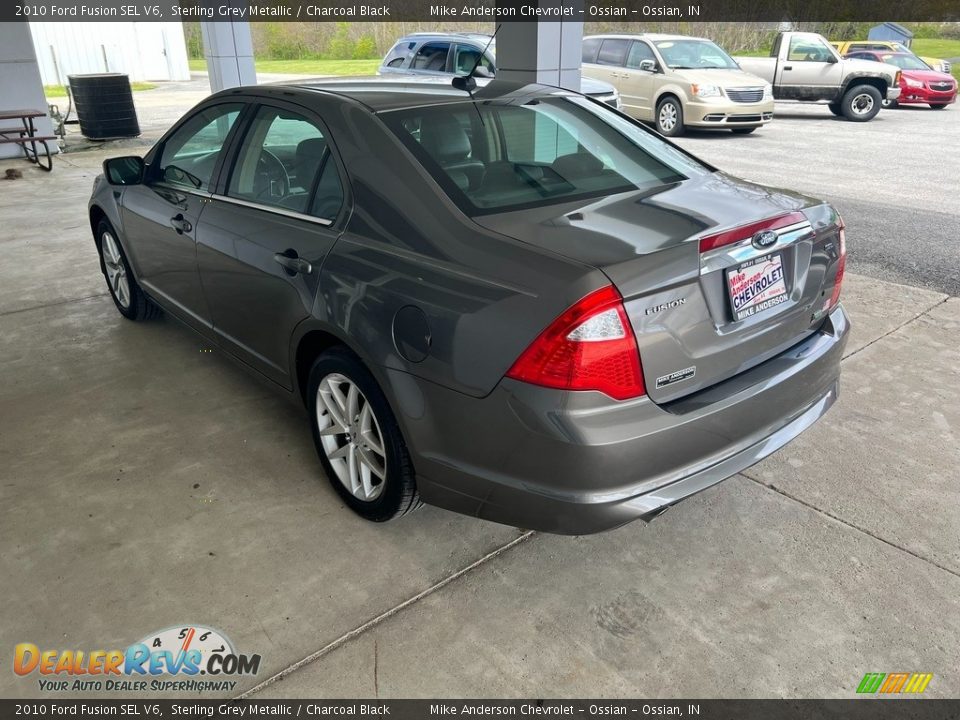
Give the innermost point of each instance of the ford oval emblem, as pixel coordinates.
(764, 238)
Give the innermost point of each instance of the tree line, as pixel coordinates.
(363, 40)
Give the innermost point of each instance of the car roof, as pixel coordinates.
(642, 36)
(445, 36)
(383, 94)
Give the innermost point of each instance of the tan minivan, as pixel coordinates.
(676, 81)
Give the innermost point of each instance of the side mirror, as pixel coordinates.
(126, 170)
(648, 65)
(832, 59)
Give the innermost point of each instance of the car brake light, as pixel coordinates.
(729, 237)
(841, 267)
(591, 346)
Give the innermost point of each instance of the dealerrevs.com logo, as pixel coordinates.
(188, 658)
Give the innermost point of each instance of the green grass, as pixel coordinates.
(307, 67)
(56, 91)
(935, 47)
(938, 48)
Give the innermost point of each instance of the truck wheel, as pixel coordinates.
(836, 109)
(938, 106)
(861, 103)
(669, 117)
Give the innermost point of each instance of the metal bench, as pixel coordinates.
(27, 138)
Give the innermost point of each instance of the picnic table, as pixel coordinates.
(25, 135)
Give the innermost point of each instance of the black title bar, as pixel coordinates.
(354, 709)
(768, 11)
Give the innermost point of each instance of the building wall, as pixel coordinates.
(144, 51)
(20, 85)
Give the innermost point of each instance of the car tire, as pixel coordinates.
(742, 131)
(362, 451)
(861, 103)
(127, 295)
(669, 117)
(836, 109)
(938, 106)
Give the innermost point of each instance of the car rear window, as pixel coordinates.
(497, 156)
(399, 54)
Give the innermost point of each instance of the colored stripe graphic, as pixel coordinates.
(918, 682)
(892, 683)
(871, 682)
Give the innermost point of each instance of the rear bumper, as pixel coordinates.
(576, 463)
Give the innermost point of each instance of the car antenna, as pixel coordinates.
(467, 82)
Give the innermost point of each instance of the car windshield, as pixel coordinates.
(510, 155)
(690, 54)
(905, 62)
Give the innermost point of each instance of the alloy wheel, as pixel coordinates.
(350, 436)
(116, 269)
(668, 116)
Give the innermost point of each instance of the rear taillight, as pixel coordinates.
(591, 346)
(744, 232)
(841, 266)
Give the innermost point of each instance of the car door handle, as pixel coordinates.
(179, 223)
(293, 264)
(788, 67)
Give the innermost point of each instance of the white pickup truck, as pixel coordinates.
(804, 66)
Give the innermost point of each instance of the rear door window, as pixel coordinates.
(432, 57)
(285, 162)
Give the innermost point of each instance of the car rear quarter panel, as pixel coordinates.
(482, 297)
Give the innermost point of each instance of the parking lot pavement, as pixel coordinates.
(147, 483)
(738, 592)
(894, 180)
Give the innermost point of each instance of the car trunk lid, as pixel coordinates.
(705, 300)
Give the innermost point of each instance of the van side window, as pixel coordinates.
(590, 48)
(613, 52)
(639, 51)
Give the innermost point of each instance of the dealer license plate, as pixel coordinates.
(756, 285)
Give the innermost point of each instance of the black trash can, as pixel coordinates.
(104, 104)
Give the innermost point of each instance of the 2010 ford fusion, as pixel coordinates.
(515, 303)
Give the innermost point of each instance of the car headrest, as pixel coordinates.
(311, 150)
(577, 165)
(442, 137)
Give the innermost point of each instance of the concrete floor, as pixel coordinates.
(146, 483)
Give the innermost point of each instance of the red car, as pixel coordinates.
(918, 83)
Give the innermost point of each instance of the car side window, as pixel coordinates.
(808, 50)
(399, 54)
(639, 52)
(285, 162)
(465, 57)
(432, 56)
(590, 48)
(613, 52)
(191, 153)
